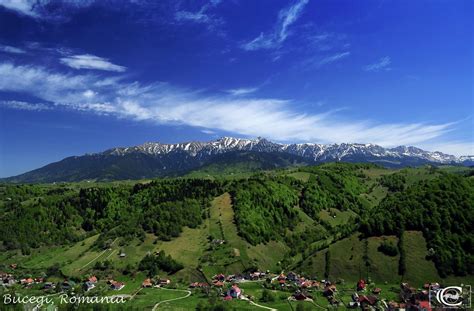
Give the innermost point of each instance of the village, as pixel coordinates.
(364, 295)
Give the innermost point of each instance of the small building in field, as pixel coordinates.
(49, 285)
(366, 301)
(329, 290)
(424, 306)
(292, 277)
(234, 292)
(281, 277)
(27, 281)
(361, 285)
(198, 285)
(117, 285)
(88, 286)
(147, 283)
(67, 285)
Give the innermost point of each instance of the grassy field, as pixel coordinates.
(303, 176)
(335, 217)
(347, 261)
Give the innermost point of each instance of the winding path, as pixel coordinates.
(256, 304)
(168, 300)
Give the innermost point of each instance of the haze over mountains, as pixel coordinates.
(158, 160)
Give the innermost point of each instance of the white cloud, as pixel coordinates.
(164, 104)
(21, 6)
(87, 61)
(89, 94)
(39, 8)
(381, 64)
(11, 49)
(242, 91)
(208, 132)
(286, 17)
(21, 105)
(333, 58)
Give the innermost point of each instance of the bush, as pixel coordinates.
(267, 296)
(153, 264)
(388, 248)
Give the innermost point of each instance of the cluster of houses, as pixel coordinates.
(155, 282)
(364, 297)
(413, 298)
(295, 280)
(8, 279)
(220, 280)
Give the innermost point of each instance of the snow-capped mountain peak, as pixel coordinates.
(317, 152)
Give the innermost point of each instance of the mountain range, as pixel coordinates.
(155, 159)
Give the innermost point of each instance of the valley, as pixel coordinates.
(320, 234)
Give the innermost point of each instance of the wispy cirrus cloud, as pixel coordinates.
(201, 16)
(383, 64)
(318, 61)
(21, 105)
(242, 91)
(87, 61)
(164, 104)
(11, 49)
(333, 58)
(286, 17)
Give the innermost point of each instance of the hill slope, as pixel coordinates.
(280, 220)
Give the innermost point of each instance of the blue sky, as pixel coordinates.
(83, 76)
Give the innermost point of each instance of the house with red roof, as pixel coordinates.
(361, 285)
(27, 281)
(234, 292)
(424, 306)
(115, 285)
(147, 283)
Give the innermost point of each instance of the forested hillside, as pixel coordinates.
(35, 215)
(442, 208)
(304, 211)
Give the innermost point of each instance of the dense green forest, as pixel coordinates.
(264, 208)
(62, 215)
(306, 209)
